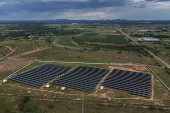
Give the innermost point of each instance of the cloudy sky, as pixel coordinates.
(84, 9)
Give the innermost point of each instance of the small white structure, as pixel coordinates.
(143, 30)
(149, 39)
(5, 80)
(101, 87)
(63, 88)
(47, 85)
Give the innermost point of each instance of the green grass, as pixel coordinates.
(21, 41)
(162, 75)
(70, 55)
(64, 40)
(116, 39)
(8, 103)
(85, 37)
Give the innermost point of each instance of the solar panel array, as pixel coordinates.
(134, 82)
(81, 78)
(39, 76)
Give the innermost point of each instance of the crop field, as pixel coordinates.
(86, 36)
(116, 39)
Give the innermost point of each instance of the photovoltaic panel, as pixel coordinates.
(39, 76)
(81, 78)
(133, 82)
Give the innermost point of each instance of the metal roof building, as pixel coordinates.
(149, 39)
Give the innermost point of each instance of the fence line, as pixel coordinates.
(13, 74)
(159, 79)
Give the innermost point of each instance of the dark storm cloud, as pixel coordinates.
(157, 0)
(56, 6)
(142, 4)
(44, 9)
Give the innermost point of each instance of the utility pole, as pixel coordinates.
(82, 102)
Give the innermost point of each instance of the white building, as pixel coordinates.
(143, 30)
(149, 39)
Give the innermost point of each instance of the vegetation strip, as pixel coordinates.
(71, 100)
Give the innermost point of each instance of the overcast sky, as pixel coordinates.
(84, 9)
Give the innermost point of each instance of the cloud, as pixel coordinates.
(73, 9)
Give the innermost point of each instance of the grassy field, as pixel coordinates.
(159, 49)
(85, 37)
(93, 37)
(8, 104)
(64, 40)
(64, 54)
(118, 39)
(162, 74)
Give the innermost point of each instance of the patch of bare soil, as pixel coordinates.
(3, 49)
(98, 85)
(29, 52)
(10, 65)
(9, 47)
(152, 95)
(12, 50)
(129, 68)
(140, 68)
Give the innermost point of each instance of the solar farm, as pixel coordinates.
(82, 78)
(134, 82)
(86, 78)
(39, 76)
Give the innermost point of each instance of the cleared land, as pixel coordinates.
(10, 65)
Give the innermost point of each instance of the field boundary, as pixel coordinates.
(91, 63)
(9, 76)
(158, 78)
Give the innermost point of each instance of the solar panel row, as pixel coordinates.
(81, 78)
(134, 82)
(86, 78)
(40, 75)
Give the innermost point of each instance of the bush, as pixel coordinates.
(23, 101)
(50, 106)
(168, 70)
(156, 108)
